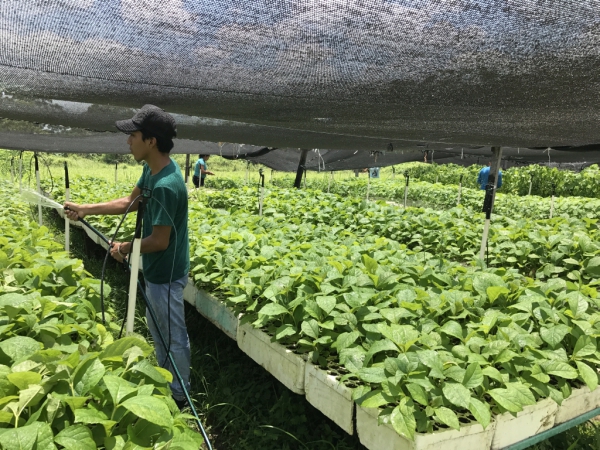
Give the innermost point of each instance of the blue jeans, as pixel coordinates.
(158, 295)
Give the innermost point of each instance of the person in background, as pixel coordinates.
(165, 244)
(482, 178)
(201, 170)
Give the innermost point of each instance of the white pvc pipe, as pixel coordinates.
(67, 223)
(405, 194)
(133, 279)
(39, 188)
(12, 171)
(329, 182)
(21, 173)
(486, 229)
(459, 192)
(530, 184)
(116, 172)
(551, 206)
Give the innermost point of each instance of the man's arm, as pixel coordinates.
(156, 242)
(117, 206)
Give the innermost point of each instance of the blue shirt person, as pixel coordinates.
(201, 170)
(482, 178)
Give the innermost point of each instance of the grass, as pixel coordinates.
(242, 406)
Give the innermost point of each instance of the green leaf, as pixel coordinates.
(116, 350)
(559, 369)
(345, 340)
(593, 266)
(273, 310)
(118, 387)
(403, 420)
(452, 328)
(588, 375)
(17, 349)
(484, 280)
(373, 399)
(417, 393)
(481, 412)
(150, 371)
(76, 437)
(493, 292)
(284, 331)
(326, 303)
(403, 336)
(151, 409)
(88, 375)
(89, 415)
(22, 438)
(23, 380)
(310, 328)
(457, 394)
(370, 264)
(513, 397)
(447, 417)
(584, 346)
(473, 376)
(554, 334)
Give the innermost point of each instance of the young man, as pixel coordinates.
(201, 170)
(482, 178)
(165, 244)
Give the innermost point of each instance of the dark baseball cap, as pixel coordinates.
(151, 119)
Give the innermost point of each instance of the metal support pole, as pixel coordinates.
(406, 177)
(261, 188)
(187, 168)
(116, 173)
(552, 200)
(67, 221)
(488, 203)
(393, 172)
(39, 187)
(135, 267)
(300, 169)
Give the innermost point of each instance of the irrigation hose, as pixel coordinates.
(162, 339)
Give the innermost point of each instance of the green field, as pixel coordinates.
(392, 300)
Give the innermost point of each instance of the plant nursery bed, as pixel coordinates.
(531, 421)
(384, 437)
(211, 308)
(285, 365)
(329, 396)
(579, 402)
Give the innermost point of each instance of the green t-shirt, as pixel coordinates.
(169, 200)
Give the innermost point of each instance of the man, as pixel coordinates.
(165, 244)
(200, 171)
(482, 178)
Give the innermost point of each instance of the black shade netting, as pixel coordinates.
(312, 73)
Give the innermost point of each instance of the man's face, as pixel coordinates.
(139, 148)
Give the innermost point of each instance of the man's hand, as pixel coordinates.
(74, 211)
(117, 251)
